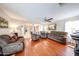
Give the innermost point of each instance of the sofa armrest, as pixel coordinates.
(20, 39)
(12, 48)
(1, 53)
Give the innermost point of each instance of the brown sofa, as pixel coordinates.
(58, 36)
(10, 48)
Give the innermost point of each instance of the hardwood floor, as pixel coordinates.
(46, 47)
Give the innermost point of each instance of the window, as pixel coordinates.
(70, 27)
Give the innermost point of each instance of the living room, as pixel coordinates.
(40, 29)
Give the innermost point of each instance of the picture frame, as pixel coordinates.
(3, 23)
(52, 26)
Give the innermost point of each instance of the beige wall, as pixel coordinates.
(61, 23)
(3, 30)
(12, 23)
(60, 26)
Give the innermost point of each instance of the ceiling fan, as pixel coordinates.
(48, 19)
(62, 4)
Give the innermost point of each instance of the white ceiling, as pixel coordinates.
(33, 12)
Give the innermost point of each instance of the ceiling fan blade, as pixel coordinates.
(50, 19)
(47, 20)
